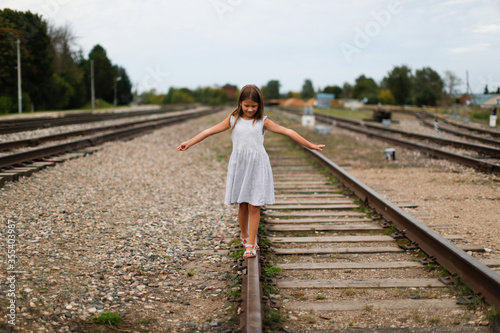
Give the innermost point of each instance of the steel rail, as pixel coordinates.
(477, 276)
(18, 125)
(253, 322)
(462, 134)
(55, 137)
(483, 166)
(423, 115)
(24, 157)
(480, 165)
(492, 151)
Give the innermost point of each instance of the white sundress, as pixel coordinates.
(249, 175)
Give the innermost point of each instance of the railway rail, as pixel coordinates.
(380, 132)
(69, 118)
(423, 116)
(20, 163)
(317, 228)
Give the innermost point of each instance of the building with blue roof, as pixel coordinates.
(323, 100)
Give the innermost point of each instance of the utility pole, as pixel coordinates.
(116, 81)
(19, 92)
(92, 89)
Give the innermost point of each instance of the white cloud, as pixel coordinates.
(487, 28)
(480, 47)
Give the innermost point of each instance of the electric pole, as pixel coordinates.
(92, 89)
(19, 92)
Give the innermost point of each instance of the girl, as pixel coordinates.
(249, 176)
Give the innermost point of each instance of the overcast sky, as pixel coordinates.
(191, 43)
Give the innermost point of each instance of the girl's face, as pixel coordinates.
(249, 108)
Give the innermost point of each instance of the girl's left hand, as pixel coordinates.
(318, 147)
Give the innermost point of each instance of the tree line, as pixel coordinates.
(400, 86)
(54, 74)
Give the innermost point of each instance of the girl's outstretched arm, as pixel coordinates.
(220, 127)
(275, 128)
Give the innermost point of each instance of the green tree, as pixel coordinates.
(399, 82)
(385, 97)
(428, 86)
(451, 82)
(365, 87)
(36, 60)
(307, 90)
(123, 87)
(69, 77)
(272, 89)
(336, 90)
(347, 90)
(104, 74)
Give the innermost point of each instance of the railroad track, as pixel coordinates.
(56, 119)
(24, 163)
(340, 265)
(485, 133)
(485, 158)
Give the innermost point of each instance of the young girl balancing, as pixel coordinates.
(249, 175)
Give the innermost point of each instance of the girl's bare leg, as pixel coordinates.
(243, 219)
(254, 220)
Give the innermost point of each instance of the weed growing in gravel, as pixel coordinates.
(107, 317)
(319, 297)
(389, 231)
(268, 289)
(434, 320)
(191, 272)
(310, 319)
(493, 315)
(368, 307)
(349, 292)
(271, 271)
(271, 317)
(299, 294)
(262, 230)
(475, 302)
(264, 241)
(237, 254)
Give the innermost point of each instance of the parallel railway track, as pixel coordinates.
(491, 152)
(69, 118)
(19, 163)
(329, 242)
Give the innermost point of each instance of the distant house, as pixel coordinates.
(230, 90)
(486, 100)
(323, 100)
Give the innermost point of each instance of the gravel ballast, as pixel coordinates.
(127, 230)
(141, 229)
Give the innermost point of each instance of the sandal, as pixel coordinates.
(252, 253)
(244, 242)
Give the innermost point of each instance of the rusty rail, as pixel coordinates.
(20, 158)
(474, 274)
(465, 160)
(253, 323)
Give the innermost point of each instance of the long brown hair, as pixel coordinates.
(251, 92)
